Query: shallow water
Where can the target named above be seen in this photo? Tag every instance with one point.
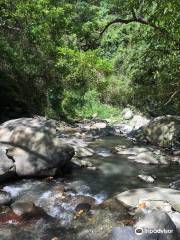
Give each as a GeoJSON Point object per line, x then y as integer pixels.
{"type": "Point", "coordinates": [115, 174]}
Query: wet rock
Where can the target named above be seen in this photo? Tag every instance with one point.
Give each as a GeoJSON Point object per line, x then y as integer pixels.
{"type": "Point", "coordinates": [27, 210]}
{"type": "Point", "coordinates": [20, 208]}
{"type": "Point", "coordinates": [102, 132]}
{"type": "Point", "coordinates": [157, 220]}
{"type": "Point", "coordinates": [78, 187]}
{"type": "Point", "coordinates": [80, 146]}
{"type": "Point", "coordinates": [84, 152]}
{"type": "Point", "coordinates": [5, 210]}
{"type": "Point", "coordinates": [148, 179]}
{"type": "Point", "coordinates": [114, 205]}
{"type": "Point", "coordinates": [81, 199]}
{"type": "Point", "coordinates": [92, 168]}
{"type": "Point", "coordinates": [132, 197]}
{"type": "Point", "coordinates": [99, 225]}
{"type": "Point", "coordinates": [175, 184]}
{"type": "Point", "coordinates": [82, 163]}
{"type": "Point", "coordinates": [83, 208]}
{"type": "Point", "coordinates": [98, 125]}
{"type": "Point", "coordinates": [144, 155]}
{"type": "Point", "coordinates": [5, 198]}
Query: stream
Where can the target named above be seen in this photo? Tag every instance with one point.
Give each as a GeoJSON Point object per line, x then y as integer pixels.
{"type": "Point", "coordinates": [114, 174]}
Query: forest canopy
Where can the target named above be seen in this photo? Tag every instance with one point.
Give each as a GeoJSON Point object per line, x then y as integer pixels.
{"type": "Point", "coordinates": [77, 58]}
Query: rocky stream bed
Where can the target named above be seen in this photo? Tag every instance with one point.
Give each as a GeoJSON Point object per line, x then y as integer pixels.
{"type": "Point", "coordinates": [111, 181]}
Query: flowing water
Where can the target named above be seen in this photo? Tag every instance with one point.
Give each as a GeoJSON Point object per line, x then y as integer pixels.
{"type": "Point", "coordinates": [115, 174]}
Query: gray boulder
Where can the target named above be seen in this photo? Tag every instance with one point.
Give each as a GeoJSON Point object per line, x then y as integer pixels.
{"type": "Point", "coordinates": [156, 225]}
{"type": "Point", "coordinates": [5, 198]}
{"type": "Point", "coordinates": [127, 113]}
{"type": "Point", "coordinates": [175, 184]}
{"type": "Point", "coordinates": [175, 216]}
{"type": "Point", "coordinates": [144, 155]}
{"type": "Point", "coordinates": [161, 131]}
{"type": "Point", "coordinates": [34, 147]}
{"type": "Point", "coordinates": [138, 121]}
{"type": "Point", "coordinates": [133, 197]}
{"type": "Point", "coordinates": [20, 208]}
{"type": "Point", "coordinates": [7, 128]}
{"type": "Point", "coordinates": [84, 152]}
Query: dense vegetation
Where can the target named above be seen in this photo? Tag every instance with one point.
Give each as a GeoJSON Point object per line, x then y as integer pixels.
{"type": "Point", "coordinates": [79, 58]}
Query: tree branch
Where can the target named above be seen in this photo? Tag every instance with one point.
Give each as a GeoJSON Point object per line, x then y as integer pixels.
{"type": "Point", "coordinates": [133, 13]}
{"type": "Point", "coordinates": [134, 19]}
{"type": "Point", "coordinates": [118, 20]}
{"type": "Point", "coordinates": [140, 20]}
{"type": "Point", "coordinates": [172, 96]}
{"type": "Point", "coordinates": [2, 25]}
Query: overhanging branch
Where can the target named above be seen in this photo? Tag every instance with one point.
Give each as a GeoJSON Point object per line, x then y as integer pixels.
{"type": "Point", "coordinates": [141, 21]}
{"type": "Point", "coordinates": [131, 20]}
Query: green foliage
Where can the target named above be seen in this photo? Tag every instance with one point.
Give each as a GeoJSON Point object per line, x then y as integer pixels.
{"type": "Point", "coordinates": [145, 76]}
{"type": "Point", "coordinates": [53, 61]}
{"type": "Point", "coordinates": [93, 107]}
{"type": "Point", "coordinates": [146, 58]}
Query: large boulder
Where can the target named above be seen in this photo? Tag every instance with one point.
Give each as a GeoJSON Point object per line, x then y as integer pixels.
{"type": "Point", "coordinates": [161, 131]}
{"type": "Point", "coordinates": [34, 147]}
{"type": "Point", "coordinates": [133, 197]}
{"type": "Point", "coordinates": [156, 225]}
{"type": "Point", "coordinates": [7, 128]}
{"type": "Point", "coordinates": [132, 122]}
